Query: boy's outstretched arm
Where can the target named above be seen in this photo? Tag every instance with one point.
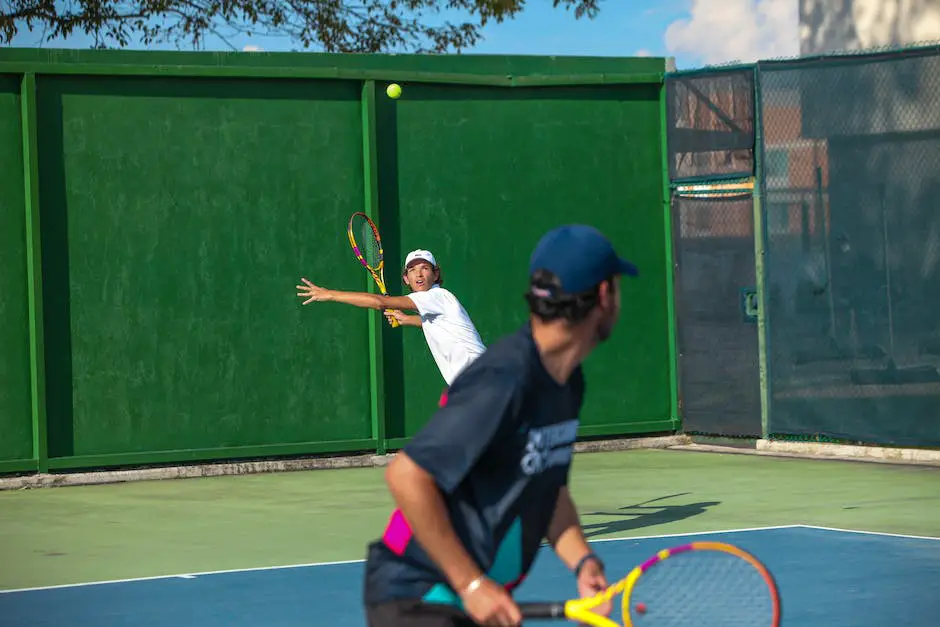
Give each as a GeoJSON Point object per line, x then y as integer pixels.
{"type": "Point", "coordinates": [315, 293]}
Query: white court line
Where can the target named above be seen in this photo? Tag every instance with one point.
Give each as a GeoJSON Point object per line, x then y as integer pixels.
{"type": "Point", "coordinates": [182, 576]}
{"type": "Point", "coordinates": [697, 533]}
{"type": "Point", "coordinates": [339, 563]}
{"type": "Point", "coordinates": [869, 533]}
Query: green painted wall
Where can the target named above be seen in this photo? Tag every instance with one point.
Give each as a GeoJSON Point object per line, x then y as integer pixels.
{"type": "Point", "coordinates": [178, 215]}
{"type": "Point", "coordinates": [15, 421]}
{"type": "Point", "coordinates": [481, 173]}
{"type": "Point", "coordinates": [179, 209]}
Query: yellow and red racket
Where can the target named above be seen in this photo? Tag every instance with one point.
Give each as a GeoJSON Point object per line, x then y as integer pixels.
{"type": "Point", "coordinates": [367, 245]}
{"type": "Point", "coordinates": [699, 583]}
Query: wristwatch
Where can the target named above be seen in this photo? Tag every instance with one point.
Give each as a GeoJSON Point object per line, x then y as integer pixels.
{"type": "Point", "coordinates": [583, 561]}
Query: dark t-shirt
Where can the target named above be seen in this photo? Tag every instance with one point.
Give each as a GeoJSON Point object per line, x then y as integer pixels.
{"type": "Point", "coordinates": [500, 450]}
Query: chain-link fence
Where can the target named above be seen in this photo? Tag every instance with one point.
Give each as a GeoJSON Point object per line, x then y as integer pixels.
{"type": "Point", "coordinates": [850, 186]}
{"type": "Point", "coordinates": [711, 124]}
{"type": "Point", "coordinates": [711, 140]}
{"type": "Point", "coordinates": [719, 380]}
{"type": "Point", "coordinates": [851, 181]}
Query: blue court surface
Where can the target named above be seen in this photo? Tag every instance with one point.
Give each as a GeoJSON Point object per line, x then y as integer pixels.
{"type": "Point", "coordinates": [825, 577]}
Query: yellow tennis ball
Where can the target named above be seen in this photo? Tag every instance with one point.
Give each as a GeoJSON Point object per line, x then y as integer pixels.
{"type": "Point", "coordinates": [393, 91]}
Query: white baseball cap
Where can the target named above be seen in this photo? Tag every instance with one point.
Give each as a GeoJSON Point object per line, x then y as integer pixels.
{"type": "Point", "coordinates": [420, 255]}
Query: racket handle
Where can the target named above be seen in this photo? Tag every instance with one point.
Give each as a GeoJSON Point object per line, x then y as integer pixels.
{"type": "Point", "coordinates": [394, 323]}
{"type": "Point", "coordinates": [542, 610]}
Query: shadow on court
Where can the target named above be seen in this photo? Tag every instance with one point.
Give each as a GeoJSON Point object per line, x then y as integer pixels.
{"type": "Point", "coordinates": [645, 514]}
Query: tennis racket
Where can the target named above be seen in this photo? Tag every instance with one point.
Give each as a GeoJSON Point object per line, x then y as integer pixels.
{"type": "Point", "coordinates": [367, 246]}
{"type": "Point", "coordinates": [700, 583]}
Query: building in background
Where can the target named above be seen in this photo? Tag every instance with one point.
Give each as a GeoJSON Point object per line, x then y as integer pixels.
{"type": "Point", "coordinates": [796, 161]}
{"type": "Point", "coordinates": [849, 102]}
{"type": "Point", "coordinates": [833, 25]}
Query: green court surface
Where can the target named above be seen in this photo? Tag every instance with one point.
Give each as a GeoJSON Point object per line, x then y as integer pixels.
{"type": "Point", "coordinates": [94, 533]}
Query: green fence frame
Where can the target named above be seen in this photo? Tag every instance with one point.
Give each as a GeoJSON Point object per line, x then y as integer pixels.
{"type": "Point", "coordinates": [760, 254]}
{"type": "Point", "coordinates": [34, 268]}
{"type": "Point", "coordinates": [369, 71]}
{"type": "Point", "coordinates": [674, 409]}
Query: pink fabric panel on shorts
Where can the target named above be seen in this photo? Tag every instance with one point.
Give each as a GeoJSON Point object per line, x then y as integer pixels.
{"type": "Point", "coordinates": [397, 533]}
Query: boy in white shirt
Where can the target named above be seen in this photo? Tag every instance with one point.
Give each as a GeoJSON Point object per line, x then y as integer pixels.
{"type": "Point", "coordinates": [450, 334]}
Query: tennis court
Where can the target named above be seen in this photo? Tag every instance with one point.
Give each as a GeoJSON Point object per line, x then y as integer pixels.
{"type": "Point", "coordinates": [284, 549]}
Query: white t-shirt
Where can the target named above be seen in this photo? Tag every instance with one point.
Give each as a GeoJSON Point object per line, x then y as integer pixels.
{"type": "Point", "coordinates": [451, 336]}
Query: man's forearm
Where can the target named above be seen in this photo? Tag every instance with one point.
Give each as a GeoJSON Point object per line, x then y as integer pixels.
{"type": "Point", "coordinates": [422, 505]}
{"type": "Point", "coordinates": [412, 321]}
{"type": "Point", "coordinates": [565, 533]}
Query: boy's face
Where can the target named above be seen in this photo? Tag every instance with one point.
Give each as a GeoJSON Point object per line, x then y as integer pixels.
{"type": "Point", "coordinates": [420, 276]}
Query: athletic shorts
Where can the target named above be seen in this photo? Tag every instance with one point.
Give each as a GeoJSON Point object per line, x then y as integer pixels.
{"type": "Point", "coordinates": [415, 614]}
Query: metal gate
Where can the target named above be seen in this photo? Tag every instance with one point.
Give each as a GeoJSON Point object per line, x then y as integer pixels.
{"type": "Point", "coordinates": [716, 305]}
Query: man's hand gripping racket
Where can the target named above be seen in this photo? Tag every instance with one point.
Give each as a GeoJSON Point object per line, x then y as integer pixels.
{"type": "Point", "coordinates": [367, 246]}
{"type": "Point", "coordinates": [700, 583]}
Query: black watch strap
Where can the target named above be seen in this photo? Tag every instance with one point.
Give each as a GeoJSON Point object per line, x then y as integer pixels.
{"type": "Point", "coordinates": [584, 560]}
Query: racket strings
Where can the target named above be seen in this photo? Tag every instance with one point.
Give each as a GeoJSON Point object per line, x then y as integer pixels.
{"type": "Point", "coordinates": [368, 245]}
{"type": "Point", "coordinates": [702, 588]}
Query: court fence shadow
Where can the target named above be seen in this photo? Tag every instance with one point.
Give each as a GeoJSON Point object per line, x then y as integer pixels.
{"type": "Point", "coordinates": [646, 514]}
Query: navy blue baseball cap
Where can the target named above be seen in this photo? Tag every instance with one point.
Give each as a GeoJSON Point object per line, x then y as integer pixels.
{"type": "Point", "coordinates": [580, 256]}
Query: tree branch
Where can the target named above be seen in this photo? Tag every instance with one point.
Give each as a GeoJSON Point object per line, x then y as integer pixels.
{"type": "Point", "coordinates": [333, 25]}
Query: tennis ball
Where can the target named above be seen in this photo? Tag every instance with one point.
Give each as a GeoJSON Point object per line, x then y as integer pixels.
{"type": "Point", "coordinates": [393, 91]}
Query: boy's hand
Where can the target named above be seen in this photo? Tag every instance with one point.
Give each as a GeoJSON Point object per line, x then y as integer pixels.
{"type": "Point", "coordinates": [395, 314]}
{"type": "Point", "coordinates": [312, 292]}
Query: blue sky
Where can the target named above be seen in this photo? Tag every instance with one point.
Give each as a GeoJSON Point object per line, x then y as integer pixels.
{"type": "Point", "coordinates": [696, 32]}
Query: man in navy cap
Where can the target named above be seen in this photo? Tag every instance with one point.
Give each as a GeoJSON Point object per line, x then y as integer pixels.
{"type": "Point", "coordinates": [481, 485]}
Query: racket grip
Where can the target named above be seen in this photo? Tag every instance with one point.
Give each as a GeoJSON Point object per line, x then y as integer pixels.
{"type": "Point", "coordinates": [393, 323]}
{"type": "Point", "coordinates": [542, 610]}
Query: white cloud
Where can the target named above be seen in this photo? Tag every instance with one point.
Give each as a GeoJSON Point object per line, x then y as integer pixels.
{"type": "Point", "coordinates": [721, 31]}
{"type": "Point", "coordinates": [251, 48]}
{"type": "Point", "coordinates": [643, 53]}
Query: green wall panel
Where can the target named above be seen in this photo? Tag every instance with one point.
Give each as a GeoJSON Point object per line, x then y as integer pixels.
{"type": "Point", "coordinates": [16, 440]}
{"type": "Point", "coordinates": [478, 174]}
{"type": "Point", "coordinates": [178, 215]}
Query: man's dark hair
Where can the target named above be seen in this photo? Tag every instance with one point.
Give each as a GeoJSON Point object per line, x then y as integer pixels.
{"type": "Point", "coordinates": [548, 302]}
